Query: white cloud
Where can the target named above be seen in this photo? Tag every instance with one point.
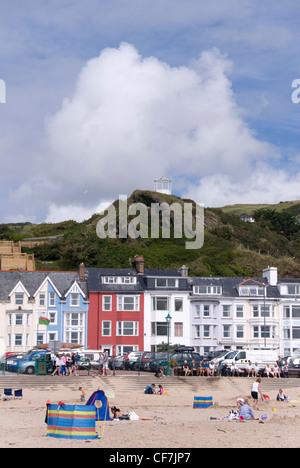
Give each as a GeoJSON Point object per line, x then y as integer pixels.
{"type": "Point", "coordinates": [132, 119]}
{"type": "Point", "coordinates": [262, 184]}
{"type": "Point", "coordinates": [57, 214]}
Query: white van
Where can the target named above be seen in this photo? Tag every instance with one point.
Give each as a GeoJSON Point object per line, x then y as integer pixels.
{"type": "Point", "coordinates": [242, 357]}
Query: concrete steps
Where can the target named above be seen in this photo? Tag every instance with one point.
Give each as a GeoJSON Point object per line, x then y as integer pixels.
{"type": "Point", "coordinates": [44, 383]}
{"type": "Point", "coordinates": [129, 383]}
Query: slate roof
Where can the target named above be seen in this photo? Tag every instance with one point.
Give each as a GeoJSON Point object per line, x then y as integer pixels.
{"type": "Point", "coordinates": [32, 280]}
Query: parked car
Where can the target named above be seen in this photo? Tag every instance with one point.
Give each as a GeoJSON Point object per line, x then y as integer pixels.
{"type": "Point", "coordinates": [149, 357]}
{"type": "Point", "coordinates": [294, 367]}
{"type": "Point", "coordinates": [84, 363]}
{"type": "Point", "coordinates": [27, 364]}
{"type": "Point", "coordinates": [117, 362]}
{"type": "Point", "coordinates": [133, 359]}
{"type": "Point", "coordinates": [180, 354]}
{"type": "Point", "coordinates": [11, 360]}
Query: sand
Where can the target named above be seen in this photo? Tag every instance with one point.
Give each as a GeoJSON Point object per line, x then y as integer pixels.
{"type": "Point", "coordinates": [176, 423]}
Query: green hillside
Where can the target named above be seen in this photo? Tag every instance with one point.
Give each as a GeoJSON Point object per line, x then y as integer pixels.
{"type": "Point", "coordinates": [231, 246]}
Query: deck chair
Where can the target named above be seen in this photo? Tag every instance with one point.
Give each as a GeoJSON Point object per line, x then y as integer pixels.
{"type": "Point", "coordinates": [18, 394]}
{"type": "Point", "coordinates": [7, 393]}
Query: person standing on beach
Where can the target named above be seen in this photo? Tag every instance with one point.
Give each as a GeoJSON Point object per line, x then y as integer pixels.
{"type": "Point", "coordinates": [255, 391]}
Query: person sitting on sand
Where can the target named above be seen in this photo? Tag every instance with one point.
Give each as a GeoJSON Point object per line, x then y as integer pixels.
{"type": "Point", "coordinates": [281, 396]}
{"type": "Point", "coordinates": [246, 412]}
{"type": "Point", "coordinates": [126, 417]}
{"type": "Point", "coordinates": [150, 389]}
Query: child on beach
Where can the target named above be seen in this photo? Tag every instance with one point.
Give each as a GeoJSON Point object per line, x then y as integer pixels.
{"type": "Point", "coordinates": [281, 396]}
{"type": "Point", "coordinates": [160, 390]}
{"type": "Point", "coordinates": [82, 394]}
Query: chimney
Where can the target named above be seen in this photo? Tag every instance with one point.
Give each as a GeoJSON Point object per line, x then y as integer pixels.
{"type": "Point", "coordinates": [81, 272]}
{"type": "Point", "coordinates": [271, 275]}
{"type": "Point", "coordinates": [139, 264]}
{"type": "Point", "coordinates": [184, 271]}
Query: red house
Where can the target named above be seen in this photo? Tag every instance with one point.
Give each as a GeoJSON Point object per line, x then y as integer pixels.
{"type": "Point", "coordinates": [116, 310]}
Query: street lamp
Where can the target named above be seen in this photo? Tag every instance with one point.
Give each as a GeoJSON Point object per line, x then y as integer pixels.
{"type": "Point", "coordinates": [168, 320]}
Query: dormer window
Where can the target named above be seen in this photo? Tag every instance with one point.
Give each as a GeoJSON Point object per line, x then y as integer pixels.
{"type": "Point", "coordinates": [251, 291]}
{"type": "Point", "coordinates": [166, 283]}
{"type": "Point", "coordinates": [119, 279]}
{"type": "Point", "coordinates": [293, 289]}
{"type": "Point", "coordinates": [208, 290]}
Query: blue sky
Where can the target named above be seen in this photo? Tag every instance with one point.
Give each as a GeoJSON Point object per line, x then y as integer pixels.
{"type": "Point", "coordinates": [103, 96]}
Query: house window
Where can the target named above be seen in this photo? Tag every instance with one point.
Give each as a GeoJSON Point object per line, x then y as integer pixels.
{"type": "Point", "coordinates": [19, 319]}
{"type": "Point", "coordinates": [212, 290]}
{"type": "Point", "coordinates": [296, 333]}
{"type": "Point", "coordinates": [106, 328]}
{"type": "Point", "coordinates": [240, 331]}
{"type": "Point", "coordinates": [128, 303]}
{"type": "Point", "coordinates": [18, 340]}
{"type": "Point", "coordinates": [296, 311]}
{"type": "Point", "coordinates": [74, 336]}
{"type": "Point", "coordinates": [293, 289]}
{"type": "Point", "coordinates": [197, 331]}
{"type": "Point", "coordinates": [178, 304]}
{"type": "Point", "coordinates": [262, 332]}
{"type": "Point", "coordinates": [239, 311]}
{"type": "Point", "coordinates": [127, 328]}
{"type": "Point", "coordinates": [252, 291]}
{"type": "Point", "coordinates": [206, 311]}
{"type": "Point", "coordinates": [19, 298]}
{"type": "Point", "coordinates": [110, 279]}
{"type": "Point", "coordinates": [226, 331]}
{"type": "Point", "coordinates": [42, 298]}
{"type": "Point", "coordinates": [52, 299]}
{"type": "Point", "coordinates": [159, 329]}
{"type": "Point", "coordinates": [160, 303]}
{"type": "Point", "coordinates": [74, 299]}
{"type": "Point", "coordinates": [107, 303]}
{"type": "Point", "coordinates": [165, 283]}
{"type": "Point", "coordinates": [206, 331]}
{"type": "Point", "coordinates": [226, 311]}
{"type": "Point", "coordinates": [197, 311]}
{"type": "Point", "coordinates": [74, 319]}
{"type": "Point", "coordinates": [178, 329]}
{"type": "Point", "coordinates": [52, 317]}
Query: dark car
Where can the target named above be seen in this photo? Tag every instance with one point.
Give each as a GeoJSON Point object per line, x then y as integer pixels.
{"type": "Point", "coordinates": [294, 367]}
{"type": "Point", "coordinates": [149, 357]}
{"type": "Point", "coordinates": [117, 362]}
{"type": "Point", "coordinates": [180, 354]}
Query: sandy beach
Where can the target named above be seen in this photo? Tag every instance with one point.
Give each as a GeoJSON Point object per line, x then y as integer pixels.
{"type": "Point", "coordinates": [176, 424]}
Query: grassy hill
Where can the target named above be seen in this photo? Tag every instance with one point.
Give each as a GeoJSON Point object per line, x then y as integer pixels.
{"type": "Point", "coordinates": [231, 246]}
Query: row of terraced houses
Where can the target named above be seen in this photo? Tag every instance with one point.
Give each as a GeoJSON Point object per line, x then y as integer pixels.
{"type": "Point", "coordinates": [121, 310]}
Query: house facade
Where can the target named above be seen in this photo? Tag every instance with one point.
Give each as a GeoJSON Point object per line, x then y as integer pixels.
{"type": "Point", "coordinates": [27, 296]}
{"type": "Point", "coordinates": [116, 310]}
{"type": "Point", "coordinates": [122, 310]}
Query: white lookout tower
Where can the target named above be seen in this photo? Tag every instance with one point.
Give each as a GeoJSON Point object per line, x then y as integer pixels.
{"type": "Point", "coordinates": [163, 185]}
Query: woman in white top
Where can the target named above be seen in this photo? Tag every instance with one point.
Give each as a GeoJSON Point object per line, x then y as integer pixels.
{"type": "Point", "coordinates": [276, 371]}
{"type": "Point", "coordinates": [255, 390]}
{"type": "Point", "coordinates": [268, 371]}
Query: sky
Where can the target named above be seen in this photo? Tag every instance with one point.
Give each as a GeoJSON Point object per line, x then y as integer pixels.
{"type": "Point", "coordinates": [104, 96]}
